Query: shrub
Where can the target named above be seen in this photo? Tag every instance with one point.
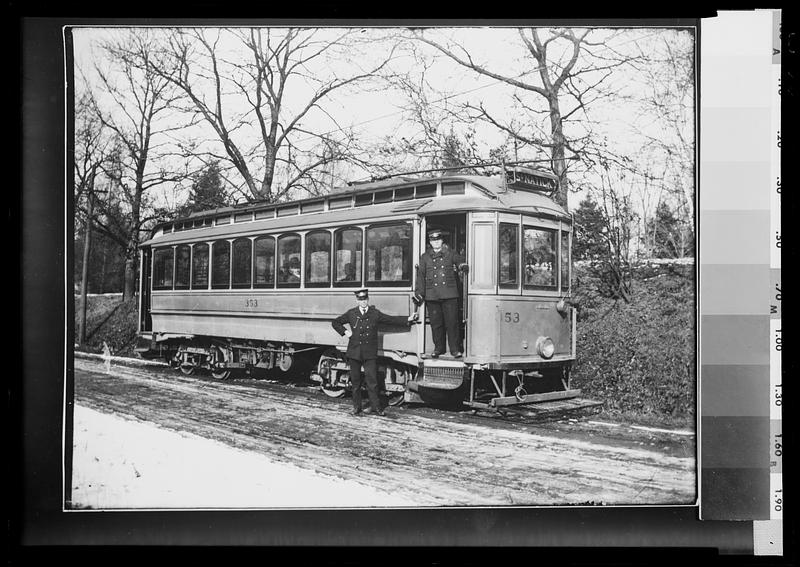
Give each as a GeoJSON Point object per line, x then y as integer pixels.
{"type": "Point", "coordinates": [109, 319]}
{"type": "Point", "coordinates": [639, 357]}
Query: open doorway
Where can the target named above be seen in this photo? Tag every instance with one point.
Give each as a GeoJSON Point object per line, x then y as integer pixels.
{"type": "Point", "coordinates": [454, 235]}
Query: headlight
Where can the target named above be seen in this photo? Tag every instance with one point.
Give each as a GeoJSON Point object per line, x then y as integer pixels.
{"type": "Point", "coordinates": [545, 347]}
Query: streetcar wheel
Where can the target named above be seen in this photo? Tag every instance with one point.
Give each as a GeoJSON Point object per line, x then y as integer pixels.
{"type": "Point", "coordinates": [187, 368]}
{"type": "Point", "coordinates": [395, 399]}
{"type": "Point", "coordinates": [333, 391]}
{"type": "Point", "coordinates": [221, 374]}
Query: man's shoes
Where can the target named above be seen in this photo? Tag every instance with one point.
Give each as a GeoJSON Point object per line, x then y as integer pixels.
{"type": "Point", "coordinates": [370, 411]}
{"type": "Point", "coordinates": [356, 412]}
{"type": "Point", "coordinates": [457, 355]}
{"type": "Point", "coordinates": [435, 354]}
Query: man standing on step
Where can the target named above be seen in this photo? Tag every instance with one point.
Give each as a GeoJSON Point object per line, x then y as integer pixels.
{"type": "Point", "coordinates": [437, 286]}
{"type": "Point", "coordinates": [362, 348]}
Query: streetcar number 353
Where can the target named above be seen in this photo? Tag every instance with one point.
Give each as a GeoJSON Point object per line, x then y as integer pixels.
{"type": "Point", "coordinates": [251, 303]}
{"type": "Point", "coordinates": [511, 317]}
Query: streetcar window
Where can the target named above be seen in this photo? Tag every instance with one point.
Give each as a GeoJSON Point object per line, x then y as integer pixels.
{"type": "Point", "coordinates": [565, 260]}
{"type": "Point", "coordinates": [221, 264]}
{"type": "Point", "coordinates": [363, 199]}
{"type": "Point", "coordinates": [508, 255]}
{"type": "Point", "coordinates": [183, 265]}
{"type": "Point", "coordinates": [200, 266]}
{"type": "Point", "coordinates": [318, 259]}
{"type": "Point", "coordinates": [425, 191]}
{"type": "Point", "coordinates": [312, 207]}
{"type": "Point", "coordinates": [389, 255]}
{"type": "Point", "coordinates": [540, 258]}
{"type": "Point", "coordinates": [404, 194]}
{"type": "Point", "coordinates": [265, 214]}
{"type": "Point", "coordinates": [457, 188]}
{"type": "Point", "coordinates": [384, 196]}
{"type": "Point", "coordinates": [162, 268]}
{"type": "Point", "coordinates": [289, 260]}
{"type": "Point", "coordinates": [242, 266]}
{"type": "Point", "coordinates": [288, 211]}
{"type": "Point", "coordinates": [265, 262]}
{"type": "Point", "coordinates": [340, 202]}
{"type": "Point", "coordinates": [347, 266]}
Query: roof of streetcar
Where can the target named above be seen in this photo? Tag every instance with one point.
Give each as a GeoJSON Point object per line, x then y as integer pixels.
{"type": "Point", "coordinates": [493, 195]}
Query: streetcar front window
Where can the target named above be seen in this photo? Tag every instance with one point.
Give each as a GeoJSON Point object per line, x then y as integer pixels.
{"type": "Point", "coordinates": [508, 255]}
{"type": "Point", "coordinates": [540, 258]}
{"type": "Point", "coordinates": [565, 261]}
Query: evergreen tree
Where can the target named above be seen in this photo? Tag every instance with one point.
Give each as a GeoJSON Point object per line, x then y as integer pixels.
{"type": "Point", "coordinates": [670, 236]}
{"type": "Point", "coordinates": [208, 191]}
{"type": "Point", "coordinates": [590, 225]}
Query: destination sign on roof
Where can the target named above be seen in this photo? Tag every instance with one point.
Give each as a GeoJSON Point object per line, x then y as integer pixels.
{"type": "Point", "coordinates": [530, 179]}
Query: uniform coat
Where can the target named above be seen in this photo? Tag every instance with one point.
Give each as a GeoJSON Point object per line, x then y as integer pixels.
{"type": "Point", "coordinates": [436, 276]}
{"type": "Point", "coordinates": [437, 285]}
{"type": "Point", "coordinates": [362, 349]}
{"type": "Point", "coordinates": [363, 344]}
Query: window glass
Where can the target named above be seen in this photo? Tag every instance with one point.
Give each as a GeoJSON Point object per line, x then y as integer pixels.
{"type": "Point", "coordinates": [318, 259]}
{"type": "Point", "coordinates": [200, 266]}
{"type": "Point", "coordinates": [565, 260]}
{"type": "Point", "coordinates": [363, 199]}
{"type": "Point", "coordinates": [389, 255]}
{"type": "Point", "coordinates": [242, 267]}
{"type": "Point", "coordinates": [265, 261]}
{"type": "Point", "coordinates": [162, 268]}
{"type": "Point", "coordinates": [221, 264]}
{"type": "Point", "coordinates": [426, 191]}
{"type": "Point", "coordinates": [183, 265]}
{"type": "Point", "coordinates": [453, 188]}
{"type": "Point", "coordinates": [508, 255]}
{"type": "Point", "coordinates": [348, 257]}
{"type": "Point", "coordinates": [540, 258]}
{"type": "Point", "coordinates": [289, 260]}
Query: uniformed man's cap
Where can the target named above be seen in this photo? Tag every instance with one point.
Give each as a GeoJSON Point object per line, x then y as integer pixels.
{"type": "Point", "coordinates": [362, 294]}
{"type": "Point", "coordinates": [435, 235]}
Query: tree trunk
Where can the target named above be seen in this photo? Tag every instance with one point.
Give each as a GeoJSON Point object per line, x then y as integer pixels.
{"type": "Point", "coordinates": [558, 153]}
{"type": "Point", "coordinates": [87, 245]}
{"type": "Point", "coordinates": [130, 279]}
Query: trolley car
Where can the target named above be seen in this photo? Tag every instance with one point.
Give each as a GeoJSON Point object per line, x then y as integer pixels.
{"type": "Point", "coordinates": [257, 286]}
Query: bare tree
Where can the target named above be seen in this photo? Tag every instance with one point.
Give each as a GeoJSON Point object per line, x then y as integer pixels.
{"type": "Point", "coordinates": [90, 151]}
{"type": "Point", "coordinates": [257, 89]}
{"type": "Point", "coordinates": [567, 71]}
{"type": "Point", "coordinates": [668, 102]}
{"type": "Point", "coordinates": [133, 103]}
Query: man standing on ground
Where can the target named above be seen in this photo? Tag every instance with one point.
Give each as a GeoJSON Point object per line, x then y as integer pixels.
{"type": "Point", "coordinates": [362, 348]}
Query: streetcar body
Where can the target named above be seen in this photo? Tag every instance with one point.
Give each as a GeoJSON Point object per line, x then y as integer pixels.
{"type": "Point", "coordinates": [257, 286]}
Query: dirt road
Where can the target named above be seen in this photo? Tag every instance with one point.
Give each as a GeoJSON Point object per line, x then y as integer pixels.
{"type": "Point", "coordinates": [433, 457]}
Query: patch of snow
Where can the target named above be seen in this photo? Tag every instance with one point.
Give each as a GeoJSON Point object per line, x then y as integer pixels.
{"type": "Point", "coordinates": [122, 464]}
